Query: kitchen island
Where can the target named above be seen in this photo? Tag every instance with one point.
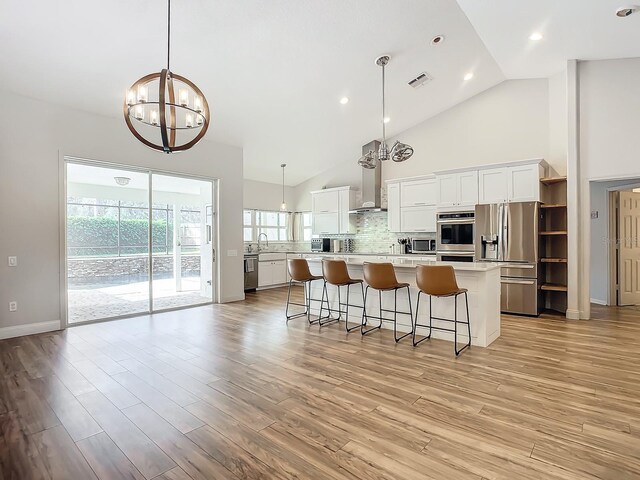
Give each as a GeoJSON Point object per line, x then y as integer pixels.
{"type": "Point", "coordinates": [482, 280]}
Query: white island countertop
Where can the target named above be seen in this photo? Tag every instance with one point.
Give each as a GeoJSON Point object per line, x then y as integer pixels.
{"type": "Point", "coordinates": [481, 279]}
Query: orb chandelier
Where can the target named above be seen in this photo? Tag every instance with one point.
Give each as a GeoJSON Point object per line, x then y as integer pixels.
{"type": "Point", "coordinates": [161, 119]}
{"type": "Point", "coordinates": [399, 151]}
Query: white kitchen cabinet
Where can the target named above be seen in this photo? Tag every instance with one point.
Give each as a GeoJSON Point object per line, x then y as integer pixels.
{"type": "Point", "coordinates": [330, 211]}
{"type": "Point", "coordinates": [325, 201]}
{"type": "Point", "coordinates": [446, 188]}
{"type": "Point", "coordinates": [523, 183]}
{"type": "Point", "coordinates": [520, 183]}
{"type": "Point", "coordinates": [467, 188]}
{"type": "Point", "coordinates": [457, 189]}
{"type": "Point", "coordinates": [418, 219]}
{"type": "Point", "coordinates": [325, 223]}
{"type": "Point", "coordinates": [393, 207]}
{"type": "Point", "coordinates": [411, 205]}
{"type": "Point", "coordinates": [272, 272]}
{"type": "Point", "coordinates": [416, 193]}
{"type": "Point", "coordinates": [492, 184]}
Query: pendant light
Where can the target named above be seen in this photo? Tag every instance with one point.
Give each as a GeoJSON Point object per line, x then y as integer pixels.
{"type": "Point", "coordinates": [283, 206]}
{"type": "Point", "coordinates": [161, 119]}
{"type": "Point", "coordinates": [400, 151]}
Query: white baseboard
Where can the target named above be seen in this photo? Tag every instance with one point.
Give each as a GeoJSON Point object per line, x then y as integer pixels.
{"type": "Point", "coordinates": [29, 329]}
{"type": "Point", "coordinates": [598, 302]}
{"type": "Point", "coordinates": [573, 314]}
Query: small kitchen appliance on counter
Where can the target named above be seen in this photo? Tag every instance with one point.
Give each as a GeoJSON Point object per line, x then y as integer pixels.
{"type": "Point", "coordinates": [320, 244]}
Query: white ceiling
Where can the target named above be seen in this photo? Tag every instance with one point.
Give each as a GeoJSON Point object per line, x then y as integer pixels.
{"type": "Point", "coordinates": [571, 29]}
{"type": "Point", "coordinates": [274, 71]}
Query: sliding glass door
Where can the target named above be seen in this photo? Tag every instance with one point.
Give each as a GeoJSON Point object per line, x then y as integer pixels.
{"type": "Point", "coordinates": [182, 232]}
{"type": "Point", "coordinates": [119, 263]}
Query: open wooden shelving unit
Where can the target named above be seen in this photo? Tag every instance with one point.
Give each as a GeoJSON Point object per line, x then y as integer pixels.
{"type": "Point", "coordinates": [553, 243]}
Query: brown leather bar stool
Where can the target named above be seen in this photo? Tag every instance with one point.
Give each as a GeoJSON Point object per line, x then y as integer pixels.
{"type": "Point", "coordinates": [382, 277]}
{"type": "Point", "coordinates": [300, 273]}
{"type": "Point", "coordinates": [335, 273]}
{"type": "Point", "coordinates": [440, 281]}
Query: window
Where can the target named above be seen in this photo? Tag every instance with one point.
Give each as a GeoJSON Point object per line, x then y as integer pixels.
{"type": "Point", "coordinates": [306, 226]}
{"type": "Point", "coordinates": [272, 224]}
{"type": "Point", "coordinates": [247, 221]}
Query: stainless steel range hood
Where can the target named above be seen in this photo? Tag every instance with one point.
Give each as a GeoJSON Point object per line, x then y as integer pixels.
{"type": "Point", "coordinates": [371, 183]}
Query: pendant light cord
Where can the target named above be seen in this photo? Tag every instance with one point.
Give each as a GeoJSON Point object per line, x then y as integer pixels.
{"type": "Point", "coordinates": [168, 32]}
{"type": "Point", "coordinates": [384, 131]}
{"type": "Point", "coordinates": [283, 184]}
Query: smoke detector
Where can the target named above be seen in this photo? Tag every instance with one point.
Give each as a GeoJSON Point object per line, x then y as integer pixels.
{"type": "Point", "coordinates": [626, 11]}
{"type": "Point", "coordinates": [421, 80]}
{"type": "Point", "coordinates": [437, 40]}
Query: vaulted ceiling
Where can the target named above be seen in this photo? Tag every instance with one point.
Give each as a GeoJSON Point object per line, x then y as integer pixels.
{"type": "Point", "coordinates": [274, 71]}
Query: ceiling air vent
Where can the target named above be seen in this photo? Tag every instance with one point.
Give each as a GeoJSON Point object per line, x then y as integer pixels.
{"type": "Point", "coordinates": [420, 80]}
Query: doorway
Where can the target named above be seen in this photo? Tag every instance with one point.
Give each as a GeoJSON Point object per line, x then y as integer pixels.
{"type": "Point", "coordinates": [615, 242]}
{"type": "Point", "coordinates": [137, 241]}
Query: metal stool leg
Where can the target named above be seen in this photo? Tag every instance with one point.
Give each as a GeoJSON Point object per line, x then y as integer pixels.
{"type": "Point", "coordinates": [305, 304]}
{"type": "Point", "coordinates": [455, 345]}
{"type": "Point", "coordinates": [328, 317]}
{"type": "Point", "coordinates": [365, 316]}
{"type": "Point", "coordinates": [416, 325]}
{"type": "Point", "coordinates": [395, 315]}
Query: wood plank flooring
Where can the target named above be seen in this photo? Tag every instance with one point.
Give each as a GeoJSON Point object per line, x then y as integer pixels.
{"type": "Point", "coordinates": [233, 392]}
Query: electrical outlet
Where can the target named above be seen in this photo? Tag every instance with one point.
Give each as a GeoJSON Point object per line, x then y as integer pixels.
{"type": "Point", "coordinates": [12, 261]}
{"type": "Point", "coordinates": [13, 306]}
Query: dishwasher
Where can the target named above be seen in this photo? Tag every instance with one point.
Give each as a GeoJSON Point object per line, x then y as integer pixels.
{"type": "Point", "coordinates": [250, 272]}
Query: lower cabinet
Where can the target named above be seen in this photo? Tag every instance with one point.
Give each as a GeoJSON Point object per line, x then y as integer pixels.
{"type": "Point", "coordinates": [272, 272]}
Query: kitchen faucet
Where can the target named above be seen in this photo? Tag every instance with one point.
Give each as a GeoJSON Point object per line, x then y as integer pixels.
{"type": "Point", "coordinates": [265, 237]}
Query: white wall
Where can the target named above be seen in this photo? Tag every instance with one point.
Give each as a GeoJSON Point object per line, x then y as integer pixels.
{"type": "Point", "coordinates": [507, 122]}
{"type": "Point", "coordinates": [609, 145]}
{"type": "Point", "coordinates": [267, 196]}
{"type": "Point", "coordinates": [33, 136]}
{"type": "Point", "coordinates": [558, 123]}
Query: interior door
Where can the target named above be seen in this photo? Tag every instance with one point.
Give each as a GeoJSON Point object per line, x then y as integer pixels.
{"type": "Point", "coordinates": [629, 250]}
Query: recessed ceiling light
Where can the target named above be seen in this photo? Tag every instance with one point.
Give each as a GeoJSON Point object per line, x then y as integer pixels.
{"type": "Point", "coordinates": [387, 119]}
{"type": "Point", "coordinates": [437, 40]}
{"type": "Point", "coordinates": [535, 36]}
{"type": "Point", "coordinates": [344, 100]}
{"type": "Point", "coordinates": [468, 76]}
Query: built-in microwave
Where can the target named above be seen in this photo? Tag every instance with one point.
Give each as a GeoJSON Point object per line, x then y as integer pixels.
{"type": "Point", "coordinates": [423, 245]}
{"type": "Point", "coordinates": [455, 232]}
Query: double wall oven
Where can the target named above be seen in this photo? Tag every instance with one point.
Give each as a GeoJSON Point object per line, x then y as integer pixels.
{"type": "Point", "coordinates": [455, 236]}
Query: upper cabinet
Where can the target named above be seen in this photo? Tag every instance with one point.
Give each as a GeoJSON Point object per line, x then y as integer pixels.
{"type": "Point", "coordinates": [411, 205]}
{"type": "Point", "coordinates": [393, 207]}
{"type": "Point", "coordinates": [417, 193]}
{"type": "Point", "coordinates": [330, 211]}
{"type": "Point", "coordinates": [519, 183]}
{"type": "Point", "coordinates": [325, 201]}
{"type": "Point", "coordinates": [510, 182]}
{"type": "Point", "coordinates": [459, 189]}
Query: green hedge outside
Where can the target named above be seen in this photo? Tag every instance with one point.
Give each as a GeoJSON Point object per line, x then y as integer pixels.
{"type": "Point", "coordinates": [100, 234]}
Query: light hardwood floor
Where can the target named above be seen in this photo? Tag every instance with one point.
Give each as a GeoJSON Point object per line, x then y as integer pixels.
{"type": "Point", "coordinates": [232, 391]}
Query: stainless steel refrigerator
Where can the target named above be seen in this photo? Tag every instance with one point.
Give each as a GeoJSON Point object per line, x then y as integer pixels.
{"type": "Point", "coordinates": [508, 233]}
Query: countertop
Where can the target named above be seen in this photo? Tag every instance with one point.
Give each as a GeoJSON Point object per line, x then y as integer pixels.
{"type": "Point", "coordinates": [409, 263]}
